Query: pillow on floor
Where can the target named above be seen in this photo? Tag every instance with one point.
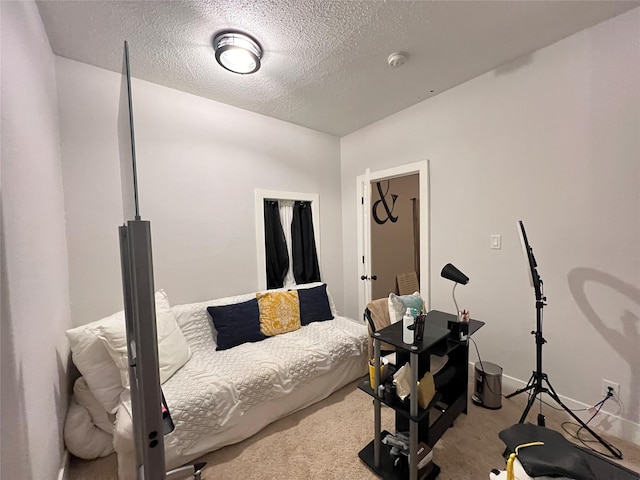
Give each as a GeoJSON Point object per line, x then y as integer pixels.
{"type": "Point", "coordinates": [279, 312]}
{"type": "Point", "coordinates": [95, 364]}
{"type": "Point", "coordinates": [236, 324]}
{"type": "Point", "coordinates": [173, 350]}
{"type": "Point", "coordinates": [99, 416]}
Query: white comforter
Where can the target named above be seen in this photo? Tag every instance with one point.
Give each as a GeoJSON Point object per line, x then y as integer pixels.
{"type": "Point", "coordinates": [217, 387]}
{"type": "Point", "coordinates": [217, 397]}
{"type": "Point", "coordinates": [246, 387]}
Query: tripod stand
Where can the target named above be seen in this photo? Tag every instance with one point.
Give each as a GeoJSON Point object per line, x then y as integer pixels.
{"type": "Point", "coordinates": [535, 385]}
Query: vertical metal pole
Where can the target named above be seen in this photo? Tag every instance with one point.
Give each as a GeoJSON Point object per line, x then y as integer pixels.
{"type": "Point", "coordinates": [413, 425]}
{"type": "Point", "coordinates": [127, 291]}
{"type": "Point", "coordinates": [377, 441]}
{"type": "Point", "coordinates": [142, 348]}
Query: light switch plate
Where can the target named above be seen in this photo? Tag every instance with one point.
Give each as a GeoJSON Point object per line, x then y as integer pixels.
{"type": "Point", "coordinates": [495, 242]}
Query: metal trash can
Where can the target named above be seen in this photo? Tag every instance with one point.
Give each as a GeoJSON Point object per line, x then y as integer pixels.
{"type": "Point", "coordinates": [488, 385]}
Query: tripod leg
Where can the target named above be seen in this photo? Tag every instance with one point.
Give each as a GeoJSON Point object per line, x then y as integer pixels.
{"type": "Point", "coordinates": [532, 399]}
{"type": "Point", "coordinates": [530, 384]}
{"type": "Point", "coordinates": [552, 393]}
{"type": "Point", "coordinates": [522, 390]}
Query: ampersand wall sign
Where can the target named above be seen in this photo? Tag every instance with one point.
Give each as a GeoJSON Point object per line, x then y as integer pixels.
{"type": "Point", "coordinates": [385, 205]}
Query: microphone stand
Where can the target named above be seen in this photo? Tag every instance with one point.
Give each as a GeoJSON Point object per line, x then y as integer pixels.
{"type": "Point", "coordinates": [535, 384]}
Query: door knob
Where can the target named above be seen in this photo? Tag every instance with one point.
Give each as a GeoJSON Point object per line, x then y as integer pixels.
{"type": "Point", "coordinates": [363, 277]}
{"type": "Point", "coordinates": [374, 277]}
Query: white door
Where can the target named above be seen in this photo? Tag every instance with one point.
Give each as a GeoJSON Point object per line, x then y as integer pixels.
{"type": "Point", "coordinates": [364, 185]}
{"type": "Point", "coordinates": [364, 239]}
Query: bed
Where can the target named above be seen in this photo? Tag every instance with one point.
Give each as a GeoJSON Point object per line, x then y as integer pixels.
{"type": "Point", "coordinates": [220, 397]}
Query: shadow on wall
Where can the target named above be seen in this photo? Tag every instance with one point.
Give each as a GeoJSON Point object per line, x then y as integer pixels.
{"type": "Point", "coordinates": [514, 65]}
{"type": "Point", "coordinates": [14, 454]}
{"type": "Point", "coordinates": [624, 336]}
{"type": "Point", "coordinates": [62, 391]}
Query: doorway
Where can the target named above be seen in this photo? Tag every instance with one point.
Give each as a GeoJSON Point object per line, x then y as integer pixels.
{"type": "Point", "coordinates": [393, 230]}
{"type": "Point", "coordinates": [395, 233]}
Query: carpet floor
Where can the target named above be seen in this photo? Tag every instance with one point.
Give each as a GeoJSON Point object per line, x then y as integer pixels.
{"type": "Point", "coordinates": [323, 441]}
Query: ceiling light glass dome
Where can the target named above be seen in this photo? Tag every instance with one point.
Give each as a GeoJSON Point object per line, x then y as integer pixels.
{"type": "Point", "coordinates": [237, 52]}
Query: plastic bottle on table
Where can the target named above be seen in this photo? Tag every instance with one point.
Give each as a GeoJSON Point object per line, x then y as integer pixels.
{"type": "Point", "coordinates": [407, 321]}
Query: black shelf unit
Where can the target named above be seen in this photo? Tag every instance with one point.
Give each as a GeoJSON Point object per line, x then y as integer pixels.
{"type": "Point", "coordinates": [429, 424]}
{"type": "Point", "coordinates": [402, 408]}
{"type": "Point", "coordinates": [386, 468]}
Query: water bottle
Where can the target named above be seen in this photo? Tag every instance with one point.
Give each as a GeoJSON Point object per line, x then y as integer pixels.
{"type": "Point", "coordinates": [407, 321]}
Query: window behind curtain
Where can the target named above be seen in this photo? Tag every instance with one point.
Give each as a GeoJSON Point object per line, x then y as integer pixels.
{"type": "Point", "coordinates": [300, 231]}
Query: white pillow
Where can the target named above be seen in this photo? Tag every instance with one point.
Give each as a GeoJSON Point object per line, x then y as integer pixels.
{"type": "Point", "coordinates": [99, 417]}
{"type": "Point", "coordinates": [82, 437]}
{"type": "Point", "coordinates": [95, 364]}
{"type": "Point", "coordinates": [173, 351]}
{"type": "Point", "coordinates": [398, 305]}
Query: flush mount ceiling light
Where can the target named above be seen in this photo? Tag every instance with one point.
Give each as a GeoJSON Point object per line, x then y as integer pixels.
{"type": "Point", "coordinates": [237, 52]}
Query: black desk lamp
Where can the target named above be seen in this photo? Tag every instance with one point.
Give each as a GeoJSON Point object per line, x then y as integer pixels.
{"type": "Point", "coordinates": [452, 273]}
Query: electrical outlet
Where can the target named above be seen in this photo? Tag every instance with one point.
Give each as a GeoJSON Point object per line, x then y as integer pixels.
{"type": "Point", "coordinates": [608, 383]}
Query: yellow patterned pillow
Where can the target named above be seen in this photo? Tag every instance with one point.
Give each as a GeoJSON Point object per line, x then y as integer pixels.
{"type": "Point", "coordinates": [279, 312]}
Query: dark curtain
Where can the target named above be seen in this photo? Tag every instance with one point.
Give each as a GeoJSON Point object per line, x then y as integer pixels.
{"type": "Point", "coordinates": [277, 258]}
{"type": "Point", "coordinates": [303, 245]}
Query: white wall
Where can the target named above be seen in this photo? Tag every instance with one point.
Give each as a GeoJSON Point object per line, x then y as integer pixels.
{"type": "Point", "coordinates": [35, 297]}
{"type": "Point", "coordinates": [553, 139]}
{"type": "Point", "coordinates": [199, 162]}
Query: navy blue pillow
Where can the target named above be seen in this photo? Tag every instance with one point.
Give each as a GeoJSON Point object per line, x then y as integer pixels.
{"type": "Point", "coordinates": [314, 305]}
{"type": "Point", "coordinates": [236, 324]}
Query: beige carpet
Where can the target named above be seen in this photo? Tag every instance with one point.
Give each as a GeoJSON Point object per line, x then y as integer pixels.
{"type": "Point", "coordinates": [323, 441]}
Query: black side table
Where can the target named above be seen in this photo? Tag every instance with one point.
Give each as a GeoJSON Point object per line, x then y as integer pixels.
{"type": "Point", "coordinates": [438, 339]}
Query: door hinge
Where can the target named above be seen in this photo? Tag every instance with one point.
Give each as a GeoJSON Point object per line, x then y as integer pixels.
{"type": "Point", "coordinates": [362, 200]}
{"type": "Point", "coordinates": [363, 259]}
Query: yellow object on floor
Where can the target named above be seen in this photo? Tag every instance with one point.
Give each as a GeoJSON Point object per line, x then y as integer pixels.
{"type": "Point", "coordinates": [513, 456]}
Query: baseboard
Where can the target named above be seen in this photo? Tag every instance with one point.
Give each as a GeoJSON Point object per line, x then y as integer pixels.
{"type": "Point", "coordinates": [606, 422]}
{"type": "Point", "coordinates": [63, 474]}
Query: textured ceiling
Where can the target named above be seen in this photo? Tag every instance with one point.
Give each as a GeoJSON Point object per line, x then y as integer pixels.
{"type": "Point", "coordinates": [325, 62]}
